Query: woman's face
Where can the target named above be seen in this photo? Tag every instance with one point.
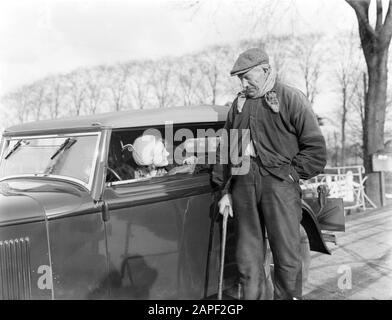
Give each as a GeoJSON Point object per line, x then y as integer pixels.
{"type": "Point", "coordinates": [160, 155]}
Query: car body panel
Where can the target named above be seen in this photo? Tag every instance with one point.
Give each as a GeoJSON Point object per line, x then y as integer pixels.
{"type": "Point", "coordinates": [16, 207]}
{"type": "Point", "coordinates": [124, 119]}
{"type": "Point", "coordinates": [159, 239]}
{"type": "Point", "coordinates": [313, 231]}
{"type": "Point", "coordinates": [79, 256]}
{"type": "Point", "coordinates": [331, 216]}
{"type": "Point", "coordinates": [68, 220]}
{"type": "Point", "coordinates": [25, 262]}
{"type": "Point", "coordinates": [53, 198]}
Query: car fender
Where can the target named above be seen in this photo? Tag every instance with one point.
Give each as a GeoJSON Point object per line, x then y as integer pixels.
{"type": "Point", "coordinates": [313, 231]}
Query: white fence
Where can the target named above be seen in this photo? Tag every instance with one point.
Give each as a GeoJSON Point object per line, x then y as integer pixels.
{"type": "Point", "coordinates": [343, 182]}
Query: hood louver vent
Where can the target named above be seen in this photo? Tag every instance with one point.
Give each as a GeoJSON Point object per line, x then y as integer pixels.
{"type": "Point", "coordinates": [15, 275]}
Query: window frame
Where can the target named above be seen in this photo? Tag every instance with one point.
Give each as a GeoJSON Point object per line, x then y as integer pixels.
{"type": "Point", "coordinates": [88, 186]}
{"type": "Point", "coordinates": [165, 178]}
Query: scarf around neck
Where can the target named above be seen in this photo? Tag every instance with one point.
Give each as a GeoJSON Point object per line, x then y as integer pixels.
{"type": "Point", "coordinates": [266, 91]}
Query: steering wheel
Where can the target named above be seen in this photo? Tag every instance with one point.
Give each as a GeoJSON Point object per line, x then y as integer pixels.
{"type": "Point", "coordinates": [114, 173]}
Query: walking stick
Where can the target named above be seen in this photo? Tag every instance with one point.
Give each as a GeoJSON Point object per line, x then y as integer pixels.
{"type": "Point", "coordinates": [222, 259]}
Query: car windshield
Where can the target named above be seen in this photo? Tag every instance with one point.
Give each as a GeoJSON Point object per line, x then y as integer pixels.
{"type": "Point", "coordinates": [70, 156]}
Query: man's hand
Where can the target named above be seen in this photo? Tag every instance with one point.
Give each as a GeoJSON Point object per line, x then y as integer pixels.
{"type": "Point", "coordinates": [226, 205]}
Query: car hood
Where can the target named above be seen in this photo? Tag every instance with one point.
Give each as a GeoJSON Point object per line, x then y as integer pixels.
{"type": "Point", "coordinates": [33, 199]}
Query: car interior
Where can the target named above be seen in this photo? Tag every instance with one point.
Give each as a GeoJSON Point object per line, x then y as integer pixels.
{"type": "Point", "coordinates": [122, 166]}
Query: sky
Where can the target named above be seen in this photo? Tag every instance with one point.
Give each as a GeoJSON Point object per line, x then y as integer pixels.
{"type": "Point", "coordinates": [44, 37]}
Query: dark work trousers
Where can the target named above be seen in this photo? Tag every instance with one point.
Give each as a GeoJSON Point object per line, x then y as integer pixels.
{"type": "Point", "coordinates": [265, 202]}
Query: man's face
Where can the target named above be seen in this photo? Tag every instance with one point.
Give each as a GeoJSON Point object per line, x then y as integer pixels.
{"type": "Point", "coordinates": [252, 81]}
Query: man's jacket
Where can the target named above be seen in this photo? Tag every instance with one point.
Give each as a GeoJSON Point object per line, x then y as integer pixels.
{"type": "Point", "coordinates": [287, 142]}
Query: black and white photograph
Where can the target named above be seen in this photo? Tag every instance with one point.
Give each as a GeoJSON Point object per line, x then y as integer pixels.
{"type": "Point", "coordinates": [202, 150]}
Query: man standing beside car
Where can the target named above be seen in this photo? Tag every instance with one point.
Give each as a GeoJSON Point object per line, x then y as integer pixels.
{"type": "Point", "coordinates": [284, 145]}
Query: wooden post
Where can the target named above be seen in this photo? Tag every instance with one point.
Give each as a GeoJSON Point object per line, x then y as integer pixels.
{"type": "Point", "coordinates": [382, 188]}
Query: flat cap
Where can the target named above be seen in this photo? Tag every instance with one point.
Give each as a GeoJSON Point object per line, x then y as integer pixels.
{"type": "Point", "coordinates": [249, 59]}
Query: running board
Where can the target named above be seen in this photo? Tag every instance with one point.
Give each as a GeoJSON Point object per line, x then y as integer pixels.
{"type": "Point", "coordinates": [329, 237]}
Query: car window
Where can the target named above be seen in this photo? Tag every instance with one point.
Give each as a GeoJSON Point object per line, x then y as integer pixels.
{"type": "Point", "coordinates": [71, 156]}
{"type": "Point", "coordinates": [190, 151]}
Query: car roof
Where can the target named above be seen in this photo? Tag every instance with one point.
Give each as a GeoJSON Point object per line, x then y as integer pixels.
{"type": "Point", "coordinates": [124, 119]}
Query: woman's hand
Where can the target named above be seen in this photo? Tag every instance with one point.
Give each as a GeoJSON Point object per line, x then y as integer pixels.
{"type": "Point", "coordinates": [190, 160]}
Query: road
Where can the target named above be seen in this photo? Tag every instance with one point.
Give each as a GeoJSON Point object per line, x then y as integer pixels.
{"type": "Point", "coordinates": [360, 267]}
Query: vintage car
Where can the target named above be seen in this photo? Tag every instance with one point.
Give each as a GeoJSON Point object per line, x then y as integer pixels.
{"type": "Point", "coordinates": [76, 224]}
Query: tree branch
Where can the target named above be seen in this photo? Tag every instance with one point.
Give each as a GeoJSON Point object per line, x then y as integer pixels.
{"type": "Point", "coordinates": [386, 32]}
{"type": "Point", "coordinates": [379, 16]}
{"type": "Point", "coordinates": [361, 8]}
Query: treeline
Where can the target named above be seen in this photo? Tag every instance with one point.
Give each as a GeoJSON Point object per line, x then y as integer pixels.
{"type": "Point", "coordinates": [314, 63]}
{"type": "Point", "coordinates": [200, 78]}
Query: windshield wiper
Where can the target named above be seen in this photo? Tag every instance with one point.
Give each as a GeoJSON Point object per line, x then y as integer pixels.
{"type": "Point", "coordinates": [69, 142]}
{"type": "Point", "coordinates": [16, 147]}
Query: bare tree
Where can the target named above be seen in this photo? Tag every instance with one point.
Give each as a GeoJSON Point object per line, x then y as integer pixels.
{"type": "Point", "coordinates": [388, 116]}
{"type": "Point", "coordinates": [76, 90]}
{"type": "Point", "coordinates": [55, 94]}
{"type": "Point", "coordinates": [161, 82]}
{"type": "Point", "coordinates": [38, 98]}
{"type": "Point", "coordinates": [118, 82]}
{"type": "Point", "coordinates": [214, 64]}
{"type": "Point", "coordinates": [190, 80]}
{"type": "Point", "coordinates": [139, 87]}
{"type": "Point", "coordinates": [375, 41]}
{"type": "Point", "coordinates": [308, 55]}
{"type": "Point", "coordinates": [348, 80]}
{"type": "Point", "coordinates": [260, 17]}
{"type": "Point", "coordinates": [19, 101]}
{"type": "Point", "coordinates": [94, 87]}
{"type": "Point", "coordinates": [357, 103]}
{"type": "Point", "coordinates": [278, 49]}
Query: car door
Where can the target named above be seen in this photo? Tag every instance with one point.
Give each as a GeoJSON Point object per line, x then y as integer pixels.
{"type": "Point", "coordinates": [161, 238]}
